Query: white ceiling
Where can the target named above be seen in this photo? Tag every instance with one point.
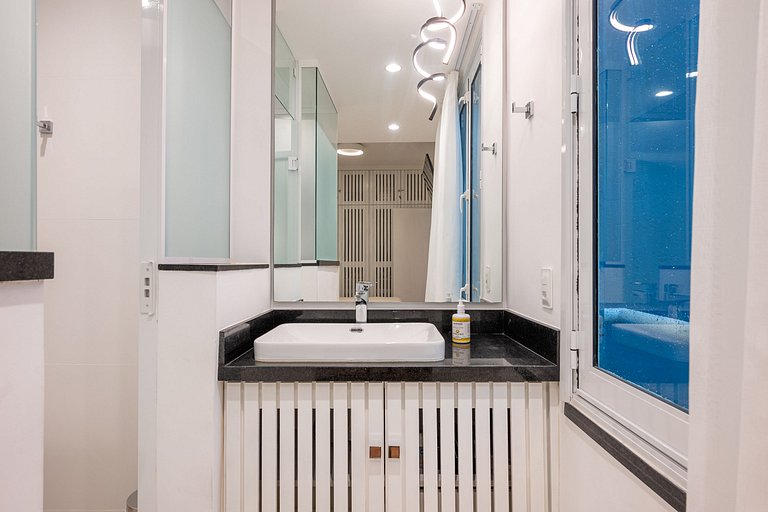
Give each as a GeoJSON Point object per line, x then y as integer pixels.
{"type": "Point", "coordinates": [351, 42]}
{"type": "Point", "coordinates": [398, 155]}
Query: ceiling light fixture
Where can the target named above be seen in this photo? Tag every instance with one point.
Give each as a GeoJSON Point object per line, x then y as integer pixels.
{"type": "Point", "coordinates": [393, 67]}
{"type": "Point", "coordinates": [350, 150]}
{"type": "Point", "coordinates": [632, 31]}
{"type": "Point", "coordinates": [418, 48]}
{"type": "Point", "coordinates": [456, 17]}
{"type": "Point", "coordinates": [662, 94]}
{"type": "Point", "coordinates": [394, 127]}
{"type": "Point", "coordinates": [437, 77]}
{"type": "Point", "coordinates": [435, 24]}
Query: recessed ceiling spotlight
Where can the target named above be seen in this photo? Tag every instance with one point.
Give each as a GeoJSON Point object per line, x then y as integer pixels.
{"type": "Point", "coordinates": [661, 94]}
{"type": "Point", "coordinates": [394, 127]}
{"type": "Point", "coordinates": [393, 67]}
{"type": "Point", "coordinates": [350, 150]}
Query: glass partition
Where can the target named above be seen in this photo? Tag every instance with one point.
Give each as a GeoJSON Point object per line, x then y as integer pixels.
{"type": "Point", "coordinates": [198, 85]}
{"type": "Point", "coordinates": [17, 129]}
{"type": "Point", "coordinates": [286, 204]}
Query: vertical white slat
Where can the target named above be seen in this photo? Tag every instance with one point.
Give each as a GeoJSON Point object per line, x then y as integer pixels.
{"type": "Point", "coordinates": [340, 455]}
{"type": "Point", "coordinates": [411, 446]}
{"type": "Point", "coordinates": [429, 442]}
{"type": "Point", "coordinates": [518, 445]}
{"type": "Point", "coordinates": [537, 452]}
{"type": "Point", "coordinates": [483, 445]}
{"type": "Point", "coordinates": [323, 447]}
{"type": "Point", "coordinates": [394, 437]}
{"type": "Point", "coordinates": [359, 436]}
{"type": "Point", "coordinates": [447, 448]}
{"type": "Point", "coordinates": [500, 448]}
{"type": "Point", "coordinates": [376, 437]}
{"type": "Point", "coordinates": [466, 484]}
{"type": "Point", "coordinates": [233, 422]}
{"type": "Point", "coordinates": [287, 446]}
{"type": "Point", "coordinates": [554, 446]}
{"type": "Point", "coordinates": [251, 447]}
{"type": "Point", "coordinates": [304, 447]}
{"type": "Point", "coordinates": [269, 447]}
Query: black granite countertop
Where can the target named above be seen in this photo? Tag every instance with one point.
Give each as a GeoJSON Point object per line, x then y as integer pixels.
{"type": "Point", "coordinates": [25, 265]}
{"type": "Point", "coordinates": [495, 356]}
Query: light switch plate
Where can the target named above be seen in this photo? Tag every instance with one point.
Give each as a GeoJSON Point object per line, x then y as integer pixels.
{"type": "Point", "coordinates": [546, 288]}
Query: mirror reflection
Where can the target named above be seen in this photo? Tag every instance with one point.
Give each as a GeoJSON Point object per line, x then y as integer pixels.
{"type": "Point", "coordinates": [387, 164]}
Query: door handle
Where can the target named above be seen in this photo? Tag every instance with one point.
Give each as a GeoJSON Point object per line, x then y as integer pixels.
{"type": "Point", "coordinates": [374, 452]}
{"type": "Point", "coordinates": [394, 452]}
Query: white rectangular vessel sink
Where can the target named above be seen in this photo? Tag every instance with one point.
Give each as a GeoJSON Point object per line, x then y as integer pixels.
{"type": "Point", "coordinates": [320, 342]}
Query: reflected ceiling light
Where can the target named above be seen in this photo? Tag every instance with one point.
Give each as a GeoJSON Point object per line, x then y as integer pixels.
{"type": "Point", "coordinates": [437, 77]}
{"type": "Point", "coordinates": [632, 31]}
{"type": "Point", "coordinates": [394, 127]}
{"type": "Point", "coordinates": [350, 150]}
{"type": "Point", "coordinates": [418, 48]}
{"type": "Point", "coordinates": [664, 93]}
{"type": "Point", "coordinates": [456, 17]}
{"type": "Point", "coordinates": [433, 25]}
{"type": "Point", "coordinates": [393, 67]}
{"type": "Point", "coordinates": [692, 74]}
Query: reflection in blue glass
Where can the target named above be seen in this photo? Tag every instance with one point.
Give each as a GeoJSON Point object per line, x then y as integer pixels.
{"type": "Point", "coordinates": [646, 55]}
{"type": "Point", "coordinates": [476, 149]}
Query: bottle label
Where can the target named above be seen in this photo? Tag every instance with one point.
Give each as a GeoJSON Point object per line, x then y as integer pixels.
{"type": "Point", "coordinates": [460, 331]}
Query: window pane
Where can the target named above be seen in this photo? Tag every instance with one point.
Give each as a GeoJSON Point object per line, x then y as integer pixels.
{"type": "Point", "coordinates": [646, 54]}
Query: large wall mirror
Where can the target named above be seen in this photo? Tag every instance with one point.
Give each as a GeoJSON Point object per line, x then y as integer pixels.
{"type": "Point", "coordinates": [388, 161]}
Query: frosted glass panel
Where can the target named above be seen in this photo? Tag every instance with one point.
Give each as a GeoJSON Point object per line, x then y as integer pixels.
{"type": "Point", "coordinates": [197, 128]}
{"type": "Point", "coordinates": [308, 148]}
{"type": "Point", "coordinates": [326, 172]}
{"type": "Point", "coordinates": [17, 125]}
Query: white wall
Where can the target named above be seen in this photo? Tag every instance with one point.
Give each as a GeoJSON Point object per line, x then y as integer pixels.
{"type": "Point", "coordinates": [21, 396]}
{"type": "Point", "coordinates": [591, 480]}
{"type": "Point", "coordinates": [88, 207]}
{"type": "Point", "coordinates": [532, 153]}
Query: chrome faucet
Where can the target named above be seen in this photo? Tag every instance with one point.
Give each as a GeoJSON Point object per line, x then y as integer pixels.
{"type": "Point", "coordinates": [362, 290]}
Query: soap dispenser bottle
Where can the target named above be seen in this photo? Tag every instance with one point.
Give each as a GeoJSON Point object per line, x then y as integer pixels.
{"type": "Point", "coordinates": [460, 335]}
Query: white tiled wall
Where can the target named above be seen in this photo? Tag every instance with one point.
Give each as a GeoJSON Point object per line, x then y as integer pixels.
{"type": "Point", "coordinates": [88, 209]}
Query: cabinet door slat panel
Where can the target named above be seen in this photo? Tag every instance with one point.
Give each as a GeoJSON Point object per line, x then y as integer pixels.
{"type": "Point", "coordinates": [269, 447]}
{"type": "Point", "coordinates": [359, 469]}
{"type": "Point", "coordinates": [322, 447]}
{"type": "Point", "coordinates": [412, 446]}
{"type": "Point", "coordinates": [483, 445]}
{"type": "Point", "coordinates": [287, 446]}
{"type": "Point", "coordinates": [233, 443]}
{"type": "Point", "coordinates": [340, 448]}
{"type": "Point", "coordinates": [466, 456]}
{"type": "Point", "coordinates": [251, 447]}
{"type": "Point", "coordinates": [447, 448]}
{"type": "Point", "coordinates": [375, 408]}
{"type": "Point", "coordinates": [304, 447]}
{"type": "Point", "coordinates": [429, 442]}
{"type": "Point", "coordinates": [500, 447]}
{"type": "Point", "coordinates": [518, 446]}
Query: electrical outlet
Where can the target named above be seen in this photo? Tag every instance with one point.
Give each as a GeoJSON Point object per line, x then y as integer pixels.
{"type": "Point", "coordinates": [546, 288]}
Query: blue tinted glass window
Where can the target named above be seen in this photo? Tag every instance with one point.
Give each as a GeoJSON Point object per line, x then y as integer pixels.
{"type": "Point", "coordinates": [645, 76]}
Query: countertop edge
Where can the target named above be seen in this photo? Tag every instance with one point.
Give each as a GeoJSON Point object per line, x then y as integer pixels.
{"type": "Point", "coordinates": [26, 266]}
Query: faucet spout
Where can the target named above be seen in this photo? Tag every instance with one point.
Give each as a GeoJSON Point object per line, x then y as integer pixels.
{"type": "Point", "coordinates": [362, 292]}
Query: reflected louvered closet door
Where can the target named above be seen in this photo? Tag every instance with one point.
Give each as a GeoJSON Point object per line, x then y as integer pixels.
{"type": "Point", "coordinates": [353, 222]}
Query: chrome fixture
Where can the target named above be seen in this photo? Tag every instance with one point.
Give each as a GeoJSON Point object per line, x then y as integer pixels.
{"type": "Point", "coordinates": [45, 127]}
{"type": "Point", "coordinates": [491, 148]}
{"type": "Point", "coordinates": [362, 290]}
{"type": "Point", "coordinates": [527, 109]}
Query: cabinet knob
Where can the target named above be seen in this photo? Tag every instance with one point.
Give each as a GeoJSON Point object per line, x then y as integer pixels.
{"type": "Point", "coordinates": [374, 452]}
{"type": "Point", "coordinates": [394, 452]}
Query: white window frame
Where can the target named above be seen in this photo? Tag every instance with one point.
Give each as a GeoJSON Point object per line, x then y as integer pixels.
{"type": "Point", "coordinates": [652, 427]}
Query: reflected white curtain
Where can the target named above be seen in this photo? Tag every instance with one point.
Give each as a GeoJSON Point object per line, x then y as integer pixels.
{"type": "Point", "coordinates": [444, 265]}
{"type": "Point", "coordinates": [728, 443]}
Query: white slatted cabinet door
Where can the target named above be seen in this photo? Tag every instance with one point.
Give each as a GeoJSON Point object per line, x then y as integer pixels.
{"type": "Point", "coordinates": [447, 448]}
{"type": "Point", "coordinates": [359, 436]}
{"type": "Point", "coordinates": [394, 452]}
{"type": "Point", "coordinates": [411, 448]}
{"type": "Point", "coordinates": [304, 447]}
{"type": "Point", "coordinates": [376, 438]}
{"type": "Point", "coordinates": [233, 422]}
{"type": "Point", "coordinates": [537, 434]}
{"type": "Point", "coordinates": [287, 446]}
{"type": "Point", "coordinates": [251, 447]}
{"type": "Point", "coordinates": [268, 447]}
{"type": "Point", "coordinates": [429, 404]}
{"type": "Point", "coordinates": [466, 495]}
{"type": "Point", "coordinates": [323, 447]}
{"type": "Point", "coordinates": [500, 447]}
{"type": "Point", "coordinates": [554, 448]}
{"type": "Point", "coordinates": [518, 445]}
{"type": "Point", "coordinates": [483, 445]}
{"type": "Point", "coordinates": [340, 447]}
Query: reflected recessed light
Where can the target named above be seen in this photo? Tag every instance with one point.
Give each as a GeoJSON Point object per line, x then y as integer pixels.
{"type": "Point", "coordinates": [394, 127]}
{"type": "Point", "coordinates": [692, 74]}
{"type": "Point", "coordinates": [661, 94]}
{"type": "Point", "coordinates": [350, 150]}
{"type": "Point", "coordinates": [393, 67]}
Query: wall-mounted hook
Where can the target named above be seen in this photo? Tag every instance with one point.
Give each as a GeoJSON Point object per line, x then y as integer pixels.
{"type": "Point", "coordinates": [45, 127]}
{"type": "Point", "coordinates": [491, 148]}
{"type": "Point", "coordinates": [527, 109]}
